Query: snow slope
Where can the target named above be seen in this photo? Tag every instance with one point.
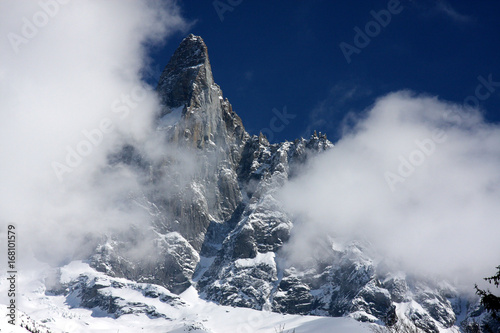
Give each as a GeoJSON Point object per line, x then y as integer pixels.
{"type": "Point", "coordinates": [48, 311]}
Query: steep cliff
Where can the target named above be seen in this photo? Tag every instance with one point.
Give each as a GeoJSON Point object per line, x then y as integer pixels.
{"type": "Point", "coordinates": [220, 227]}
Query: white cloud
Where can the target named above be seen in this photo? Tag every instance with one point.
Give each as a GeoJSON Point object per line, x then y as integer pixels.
{"type": "Point", "coordinates": [441, 219]}
{"type": "Point", "coordinates": [78, 65]}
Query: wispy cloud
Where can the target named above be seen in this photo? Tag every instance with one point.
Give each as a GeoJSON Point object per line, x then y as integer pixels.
{"type": "Point", "coordinates": [445, 8]}
{"type": "Point", "coordinates": [62, 74]}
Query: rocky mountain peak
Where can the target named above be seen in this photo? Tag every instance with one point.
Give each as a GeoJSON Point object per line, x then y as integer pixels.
{"type": "Point", "coordinates": [195, 113]}
{"type": "Point", "coordinates": [222, 229]}
{"type": "Point", "coordinates": [187, 71]}
{"type": "Point", "coordinates": [192, 51]}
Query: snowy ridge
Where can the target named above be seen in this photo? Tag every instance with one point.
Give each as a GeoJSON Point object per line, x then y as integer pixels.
{"type": "Point", "coordinates": [143, 307]}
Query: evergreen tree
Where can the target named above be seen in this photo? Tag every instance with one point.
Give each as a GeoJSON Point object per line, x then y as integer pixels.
{"type": "Point", "coordinates": [491, 302]}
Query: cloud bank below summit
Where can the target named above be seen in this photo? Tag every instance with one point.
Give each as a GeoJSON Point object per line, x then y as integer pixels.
{"type": "Point", "coordinates": [437, 217]}
{"type": "Point", "coordinates": [71, 83]}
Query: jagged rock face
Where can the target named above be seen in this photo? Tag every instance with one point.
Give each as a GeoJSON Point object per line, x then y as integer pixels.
{"type": "Point", "coordinates": [170, 261]}
{"type": "Point", "coordinates": [188, 72]}
{"type": "Point", "coordinates": [104, 296]}
{"type": "Point", "coordinates": [187, 85]}
{"type": "Point", "coordinates": [222, 229]}
{"type": "Point", "coordinates": [215, 135]}
{"type": "Point", "coordinates": [201, 124]}
{"type": "Point", "coordinates": [247, 250]}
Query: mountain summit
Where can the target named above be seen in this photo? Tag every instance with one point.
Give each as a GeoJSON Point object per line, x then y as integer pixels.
{"type": "Point", "coordinates": [187, 72]}
{"type": "Point", "coordinates": [217, 225]}
{"type": "Point", "coordinates": [186, 88]}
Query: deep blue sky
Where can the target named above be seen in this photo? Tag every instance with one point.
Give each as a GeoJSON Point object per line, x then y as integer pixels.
{"type": "Point", "coordinates": [272, 54]}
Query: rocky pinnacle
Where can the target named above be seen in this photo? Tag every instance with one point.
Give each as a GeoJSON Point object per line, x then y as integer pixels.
{"type": "Point", "coordinates": [188, 70]}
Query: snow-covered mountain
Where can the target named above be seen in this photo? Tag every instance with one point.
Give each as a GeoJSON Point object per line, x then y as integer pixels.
{"type": "Point", "coordinates": [77, 299]}
{"type": "Point", "coordinates": [216, 243]}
